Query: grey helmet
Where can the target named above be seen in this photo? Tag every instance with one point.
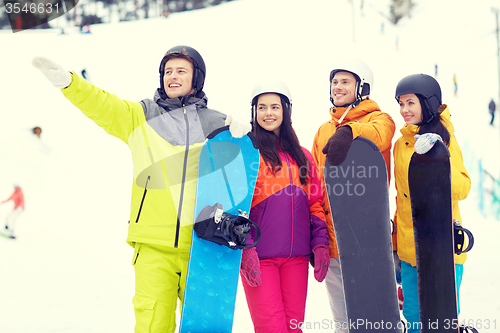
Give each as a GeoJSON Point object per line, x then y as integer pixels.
{"type": "Point", "coordinates": [362, 73]}
{"type": "Point", "coordinates": [427, 90]}
{"type": "Point", "coordinates": [276, 87]}
{"type": "Point", "coordinates": [198, 65]}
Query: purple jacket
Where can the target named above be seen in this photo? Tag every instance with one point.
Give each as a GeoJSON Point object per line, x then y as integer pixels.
{"type": "Point", "coordinates": [290, 215]}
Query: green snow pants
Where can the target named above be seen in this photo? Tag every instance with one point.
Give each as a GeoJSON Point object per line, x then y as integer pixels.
{"type": "Point", "coordinates": [160, 278]}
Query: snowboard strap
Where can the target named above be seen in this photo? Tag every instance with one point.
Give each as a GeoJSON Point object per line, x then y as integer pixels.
{"type": "Point", "coordinates": [405, 328]}
{"type": "Point", "coordinates": [459, 233]}
{"type": "Point", "coordinates": [215, 225]}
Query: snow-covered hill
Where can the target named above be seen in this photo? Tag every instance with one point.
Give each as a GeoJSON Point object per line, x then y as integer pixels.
{"type": "Point", "coordinates": [70, 268]}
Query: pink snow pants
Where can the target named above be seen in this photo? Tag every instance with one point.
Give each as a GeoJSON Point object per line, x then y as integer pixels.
{"type": "Point", "coordinates": [278, 304]}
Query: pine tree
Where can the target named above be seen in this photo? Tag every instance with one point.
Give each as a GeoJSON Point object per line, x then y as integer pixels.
{"type": "Point", "coordinates": [400, 9]}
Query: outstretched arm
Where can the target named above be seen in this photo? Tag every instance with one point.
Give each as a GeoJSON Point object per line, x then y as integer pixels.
{"type": "Point", "coordinates": [116, 116]}
{"type": "Point", "coordinates": [53, 72]}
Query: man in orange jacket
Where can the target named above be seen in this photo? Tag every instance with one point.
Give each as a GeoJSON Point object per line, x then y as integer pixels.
{"type": "Point", "coordinates": [18, 198]}
{"type": "Point", "coordinates": [353, 114]}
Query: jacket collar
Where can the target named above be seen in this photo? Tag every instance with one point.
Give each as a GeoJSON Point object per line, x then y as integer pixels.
{"type": "Point", "coordinates": [409, 131]}
{"type": "Point", "coordinates": [169, 104]}
{"type": "Point", "coordinates": [364, 107]}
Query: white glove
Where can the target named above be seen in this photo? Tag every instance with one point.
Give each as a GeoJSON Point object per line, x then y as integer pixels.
{"type": "Point", "coordinates": [53, 71]}
{"type": "Point", "coordinates": [238, 127]}
{"type": "Point", "coordinates": [425, 142]}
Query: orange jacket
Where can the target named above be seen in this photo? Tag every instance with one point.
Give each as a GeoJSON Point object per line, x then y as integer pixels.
{"type": "Point", "coordinates": [365, 120]}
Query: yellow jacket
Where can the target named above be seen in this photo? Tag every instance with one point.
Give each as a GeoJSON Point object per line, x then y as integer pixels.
{"type": "Point", "coordinates": [460, 186]}
{"type": "Point", "coordinates": [365, 120]}
{"type": "Point", "coordinates": [165, 139]}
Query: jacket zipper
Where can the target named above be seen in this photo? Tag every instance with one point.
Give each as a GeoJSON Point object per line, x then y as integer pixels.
{"type": "Point", "coordinates": [181, 197]}
{"type": "Point", "coordinates": [143, 197]}
{"type": "Point", "coordinates": [291, 196]}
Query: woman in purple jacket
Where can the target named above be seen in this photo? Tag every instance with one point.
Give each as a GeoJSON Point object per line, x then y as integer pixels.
{"type": "Point", "coordinates": [287, 207]}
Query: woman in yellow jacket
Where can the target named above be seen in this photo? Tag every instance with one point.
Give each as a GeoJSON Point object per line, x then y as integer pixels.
{"type": "Point", "coordinates": [427, 120]}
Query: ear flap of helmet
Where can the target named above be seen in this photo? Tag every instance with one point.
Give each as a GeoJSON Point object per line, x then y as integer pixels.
{"type": "Point", "coordinates": [365, 91]}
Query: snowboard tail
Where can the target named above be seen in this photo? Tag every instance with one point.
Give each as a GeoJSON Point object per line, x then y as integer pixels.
{"type": "Point", "coordinates": [227, 172]}
{"type": "Point", "coordinates": [359, 200]}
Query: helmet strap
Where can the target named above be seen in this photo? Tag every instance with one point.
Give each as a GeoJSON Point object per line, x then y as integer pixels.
{"type": "Point", "coordinates": [345, 114]}
{"type": "Point", "coordinates": [427, 105]}
{"type": "Point", "coordinates": [431, 118]}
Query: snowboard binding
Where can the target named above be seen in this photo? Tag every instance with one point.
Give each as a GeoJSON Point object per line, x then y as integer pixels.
{"type": "Point", "coordinates": [468, 329]}
{"type": "Point", "coordinates": [215, 225]}
{"type": "Point", "coordinates": [459, 233]}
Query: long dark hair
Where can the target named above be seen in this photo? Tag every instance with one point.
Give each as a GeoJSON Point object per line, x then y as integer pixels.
{"type": "Point", "coordinates": [431, 122]}
{"type": "Point", "coordinates": [287, 142]}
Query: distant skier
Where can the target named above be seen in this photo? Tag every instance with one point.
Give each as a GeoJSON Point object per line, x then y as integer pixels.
{"type": "Point", "coordinates": [287, 206]}
{"type": "Point", "coordinates": [426, 120]}
{"type": "Point", "coordinates": [18, 198]}
{"type": "Point", "coordinates": [353, 114]}
{"type": "Point", "coordinates": [85, 29]}
{"type": "Point", "coordinates": [455, 83]}
{"type": "Point", "coordinates": [38, 143]}
{"type": "Point", "coordinates": [165, 136]}
{"type": "Point", "coordinates": [492, 107]}
{"type": "Point", "coordinates": [37, 131]}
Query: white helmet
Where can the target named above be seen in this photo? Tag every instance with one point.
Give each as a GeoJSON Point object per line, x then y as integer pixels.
{"type": "Point", "coordinates": [363, 74]}
{"type": "Point", "coordinates": [276, 87]}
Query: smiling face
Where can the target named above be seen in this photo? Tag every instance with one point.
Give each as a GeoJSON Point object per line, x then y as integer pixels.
{"type": "Point", "coordinates": [343, 88]}
{"type": "Point", "coordinates": [270, 112]}
{"type": "Point", "coordinates": [178, 78]}
{"type": "Point", "coordinates": [410, 109]}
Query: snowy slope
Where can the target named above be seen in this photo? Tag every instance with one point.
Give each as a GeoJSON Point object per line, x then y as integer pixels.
{"type": "Point", "coordinates": [70, 268]}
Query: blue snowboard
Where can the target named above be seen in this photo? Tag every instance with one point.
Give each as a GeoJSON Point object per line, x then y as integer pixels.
{"type": "Point", "coordinates": [227, 172]}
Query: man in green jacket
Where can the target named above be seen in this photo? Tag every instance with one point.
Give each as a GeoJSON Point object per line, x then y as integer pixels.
{"type": "Point", "coordinates": [165, 135]}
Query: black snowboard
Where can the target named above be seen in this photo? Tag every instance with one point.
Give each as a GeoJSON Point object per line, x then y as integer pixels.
{"type": "Point", "coordinates": [359, 198]}
{"type": "Point", "coordinates": [429, 178]}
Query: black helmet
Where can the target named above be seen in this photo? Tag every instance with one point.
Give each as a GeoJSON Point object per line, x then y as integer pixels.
{"type": "Point", "coordinates": [427, 90]}
{"type": "Point", "coordinates": [198, 64]}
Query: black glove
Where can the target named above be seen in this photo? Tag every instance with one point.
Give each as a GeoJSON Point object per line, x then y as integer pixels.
{"type": "Point", "coordinates": [338, 145]}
